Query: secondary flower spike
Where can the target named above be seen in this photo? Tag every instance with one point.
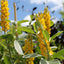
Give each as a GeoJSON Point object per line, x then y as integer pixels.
{"type": "Point", "coordinates": [28, 49]}
{"type": "Point", "coordinates": [4, 15]}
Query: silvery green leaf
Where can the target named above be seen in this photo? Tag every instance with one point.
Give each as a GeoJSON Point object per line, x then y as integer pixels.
{"type": "Point", "coordinates": [55, 61]}
{"type": "Point", "coordinates": [42, 61]}
{"type": "Point", "coordinates": [31, 55]}
{"type": "Point", "coordinates": [53, 47]}
{"type": "Point", "coordinates": [18, 47]}
{"type": "Point", "coordinates": [23, 35]}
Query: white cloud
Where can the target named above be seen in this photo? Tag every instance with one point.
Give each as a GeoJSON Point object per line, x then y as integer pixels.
{"type": "Point", "coordinates": [27, 23]}
{"type": "Point", "coordinates": [58, 3]}
{"type": "Point", "coordinates": [47, 1]}
{"type": "Point", "coordinates": [54, 19]}
{"type": "Point", "coordinates": [37, 1]}
{"type": "Point", "coordinates": [27, 18]}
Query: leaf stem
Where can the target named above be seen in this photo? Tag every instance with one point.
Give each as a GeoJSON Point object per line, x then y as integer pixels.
{"type": "Point", "coordinates": [46, 47]}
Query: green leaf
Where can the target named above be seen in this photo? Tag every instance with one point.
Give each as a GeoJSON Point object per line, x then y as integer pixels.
{"type": "Point", "coordinates": [55, 35]}
{"type": "Point", "coordinates": [9, 37]}
{"type": "Point", "coordinates": [12, 30]}
{"type": "Point", "coordinates": [18, 47]}
{"type": "Point", "coordinates": [7, 60]}
{"type": "Point", "coordinates": [61, 12]}
{"type": "Point", "coordinates": [37, 49]}
{"type": "Point", "coordinates": [55, 61]}
{"type": "Point", "coordinates": [63, 23]}
{"type": "Point", "coordinates": [4, 46]}
{"type": "Point", "coordinates": [22, 21]}
{"type": "Point", "coordinates": [26, 29]}
{"type": "Point", "coordinates": [31, 16]}
{"type": "Point", "coordinates": [53, 48]}
{"type": "Point", "coordinates": [8, 20]}
{"type": "Point", "coordinates": [35, 27]}
{"type": "Point", "coordinates": [31, 55]}
{"type": "Point", "coordinates": [19, 31]}
{"type": "Point", "coordinates": [38, 24]}
{"type": "Point", "coordinates": [42, 61]}
{"type": "Point", "coordinates": [51, 24]}
{"type": "Point", "coordinates": [46, 35]}
{"type": "Point", "coordinates": [0, 29]}
{"type": "Point", "coordinates": [59, 54]}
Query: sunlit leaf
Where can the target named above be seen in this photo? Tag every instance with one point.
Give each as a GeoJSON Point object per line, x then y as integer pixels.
{"type": "Point", "coordinates": [52, 23]}
{"type": "Point", "coordinates": [8, 20]}
{"type": "Point", "coordinates": [26, 29]}
{"type": "Point", "coordinates": [55, 35]}
{"type": "Point", "coordinates": [31, 16]}
{"type": "Point", "coordinates": [35, 27]}
{"type": "Point", "coordinates": [59, 54]}
{"type": "Point", "coordinates": [22, 21]}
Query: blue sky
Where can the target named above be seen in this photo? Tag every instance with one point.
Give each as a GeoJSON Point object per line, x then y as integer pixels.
{"type": "Point", "coordinates": [29, 4]}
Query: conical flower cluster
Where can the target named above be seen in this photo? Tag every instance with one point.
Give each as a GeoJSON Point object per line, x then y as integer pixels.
{"type": "Point", "coordinates": [4, 15]}
{"type": "Point", "coordinates": [44, 19]}
{"type": "Point", "coordinates": [28, 49]}
{"type": "Point", "coordinates": [46, 16]}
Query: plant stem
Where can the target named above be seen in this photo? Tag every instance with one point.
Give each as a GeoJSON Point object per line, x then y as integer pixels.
{"type": "Point", "coordinates": [15, 17]}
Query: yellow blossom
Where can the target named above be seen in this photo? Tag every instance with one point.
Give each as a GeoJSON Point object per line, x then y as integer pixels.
{"type": "Point", "coordinates": [4, 15]}
{"type": "Point", "coordinates": [28, 49]}
{"type": "Point", "coordinates": [44, 19]}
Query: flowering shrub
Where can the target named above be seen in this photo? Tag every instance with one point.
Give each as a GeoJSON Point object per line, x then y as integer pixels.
{"type": "Point", "coordinates": [32, 47]}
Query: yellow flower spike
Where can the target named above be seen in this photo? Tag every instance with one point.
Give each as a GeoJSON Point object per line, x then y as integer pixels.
{"type": "Point", "coordinates": [7, 17]}
{"type": "Point", "coordinates": [8, 27]}
{"type": "Point", "coordinates": [28, 49]}
{"type": "Point", "coordinates": [4, 15]}
{"type": "Point", "coordinates": [47, 19]}
{"type": "Point", "coordinates": [44, 19]}
{"type": "Point", "coordinates": [2, 2]}
{"type": "Point", "coordinates": [3, 29]}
